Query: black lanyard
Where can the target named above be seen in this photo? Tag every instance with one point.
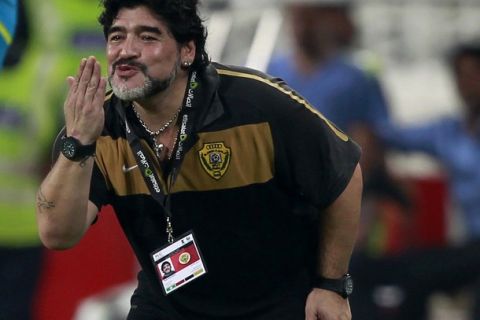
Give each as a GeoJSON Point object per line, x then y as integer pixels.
{"type": "Point", "coordinates": [145, 161]}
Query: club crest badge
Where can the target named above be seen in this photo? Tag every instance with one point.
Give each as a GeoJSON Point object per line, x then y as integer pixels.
{"type": "Point", "coordinates": [184, 258]}
{"type": "Point", "coordinates": [215, 159]}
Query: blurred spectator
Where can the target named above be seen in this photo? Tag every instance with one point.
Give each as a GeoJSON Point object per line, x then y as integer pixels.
{"type": "Point", "coordinates": [395, 278]}
{"type": "Point", "coordinates": [20, 252]}
{"type": "Point", "coordinates": [384, 236]}
{"type": "Point", "coordinates": [19, 256]}
{"type": "Point", "coordinates": [386, 224]}
{"type": "Point", "coordinates": [32, 89]}
{"type": "Point", "coordinates": [454, 141]}
{"type": "Point", "coordinates": [8, 21]}
{"type": "Point", "coordinates": [321, 66]}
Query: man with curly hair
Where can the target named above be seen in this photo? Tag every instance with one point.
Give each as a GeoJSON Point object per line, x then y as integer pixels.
{"type": "Point", "coordinates": [211, 167]}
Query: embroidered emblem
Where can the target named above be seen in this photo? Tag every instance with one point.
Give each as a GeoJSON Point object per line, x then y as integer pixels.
{"type": "Point", "coordinates": [215, 158]}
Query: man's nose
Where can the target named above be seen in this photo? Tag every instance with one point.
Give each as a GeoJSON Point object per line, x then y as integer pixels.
{"type": "Point", "coordinates": [130, 48]}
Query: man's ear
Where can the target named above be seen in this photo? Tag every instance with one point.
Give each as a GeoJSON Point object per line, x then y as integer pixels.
{"type": "Point", "coordinates": [187, 52]}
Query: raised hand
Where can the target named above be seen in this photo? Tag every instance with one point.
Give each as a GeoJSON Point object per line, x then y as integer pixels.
{"type": "Point", "coordinates": [83, 108]}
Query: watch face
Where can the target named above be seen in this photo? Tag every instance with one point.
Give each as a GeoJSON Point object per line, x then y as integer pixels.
{"type": "Point", "coordinates": [68, 149]}
{"type": "Point", "coordinates": [348, 285]}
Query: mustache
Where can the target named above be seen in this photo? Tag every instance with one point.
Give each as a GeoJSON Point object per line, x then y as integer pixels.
{"type": "Point", "coordinates": [129, 62]}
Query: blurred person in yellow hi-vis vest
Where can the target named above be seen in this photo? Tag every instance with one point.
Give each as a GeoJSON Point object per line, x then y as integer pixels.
{"type": "Point", "coordinates": [50, 38]}
{"type": "Point", "coordinates": [8, 21]}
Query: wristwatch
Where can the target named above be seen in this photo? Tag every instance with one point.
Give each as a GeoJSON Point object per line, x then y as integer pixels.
{"type": "Point", "coordinates": [343, 286]}
{"type": "Point", "coordinates": [73, 150]}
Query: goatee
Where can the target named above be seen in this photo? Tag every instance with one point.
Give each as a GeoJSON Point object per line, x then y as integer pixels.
{"type": "Point", "coordinates": [151, 86]}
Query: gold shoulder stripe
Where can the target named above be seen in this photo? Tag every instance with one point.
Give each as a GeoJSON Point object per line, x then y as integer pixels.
{"type": "Point", "coordinates": [339, 133]}
{"type": "Point", "coordinates": [5, 34]}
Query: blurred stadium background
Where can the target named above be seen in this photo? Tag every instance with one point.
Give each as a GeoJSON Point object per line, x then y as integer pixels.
{"type": "Point", "coordinates": [404, 41]}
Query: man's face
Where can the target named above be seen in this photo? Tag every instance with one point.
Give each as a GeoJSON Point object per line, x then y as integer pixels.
{"type": "Point", "coordinates": [317, 28]}
{"type": "Point", "coordinates": [166, 268]}
{"type": "Point", "coordinates": [468, 81]}
{"type": "Point", "coordinates": [143, 56]}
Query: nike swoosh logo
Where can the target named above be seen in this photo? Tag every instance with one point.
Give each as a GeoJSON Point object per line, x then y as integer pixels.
{"type": "Point", "coordinates": [125, 169]}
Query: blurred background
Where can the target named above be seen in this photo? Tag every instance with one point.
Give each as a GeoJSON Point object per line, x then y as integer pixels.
{"type": "Point", "coordinates": [403, 45]}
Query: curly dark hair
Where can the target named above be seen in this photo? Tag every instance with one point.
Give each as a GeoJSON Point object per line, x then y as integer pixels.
{"type": "Point", "coordinates": [181, 17]}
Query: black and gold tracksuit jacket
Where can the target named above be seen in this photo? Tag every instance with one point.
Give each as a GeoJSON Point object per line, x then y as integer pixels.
{"type": "Point", "coordinates": [256, 174]}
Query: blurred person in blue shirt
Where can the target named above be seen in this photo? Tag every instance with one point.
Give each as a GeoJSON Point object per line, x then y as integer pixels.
{"type": "Point", "coordinates": [454, 141]}
{"type": "Point", "coordinates": [395, 277]}
{"type": "Point", "coordinates": [8, 20]}
{"type": "Point", "coordinates": [322, 67]}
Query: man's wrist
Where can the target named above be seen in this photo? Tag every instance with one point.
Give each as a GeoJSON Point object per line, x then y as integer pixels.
{"type": "Point", "coordinates": [74, 150]}
{"type": "Point", "coordinates": [342, 286]}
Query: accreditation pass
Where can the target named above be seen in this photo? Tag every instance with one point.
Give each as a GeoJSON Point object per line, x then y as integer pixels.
{"type": "Point", "coordinates": [178, 263]}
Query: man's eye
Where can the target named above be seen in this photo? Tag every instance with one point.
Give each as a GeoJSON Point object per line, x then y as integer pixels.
{"type": "Point", "coordinates": [148, 38]}
{"type": "Point", "coordinates": [115, 37]}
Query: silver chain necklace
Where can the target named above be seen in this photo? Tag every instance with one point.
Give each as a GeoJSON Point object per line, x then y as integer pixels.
{"type": "Point", "coordinates": [158, 147]}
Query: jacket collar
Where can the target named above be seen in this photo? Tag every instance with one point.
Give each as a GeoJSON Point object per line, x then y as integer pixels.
{"type": "Point", "coordinates": [211, 108]}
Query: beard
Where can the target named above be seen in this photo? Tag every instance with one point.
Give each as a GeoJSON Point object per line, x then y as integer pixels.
{"type": "Point", "coordinates": [150, 87]}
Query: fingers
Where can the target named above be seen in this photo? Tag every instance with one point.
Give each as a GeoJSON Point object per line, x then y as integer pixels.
{"type": "Point", "coordinates": [99, 96]}
{"type": "Point", "coordinates": [92, 85]}
{"type": "Point", "coordinates": [81, 67]}
{"type": "Point", "coordinates": [84, 102]}
{"type": "Point", "coordinates": [73, 82]}
{"type": "Point", "coordinates": [69, 105]}
{"type": "Point", "coordinates": [310, 315]}
{"type": "Point", "coordinates": [84, 81]}
{"type": "Point", "coordinates": [83, 62]}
